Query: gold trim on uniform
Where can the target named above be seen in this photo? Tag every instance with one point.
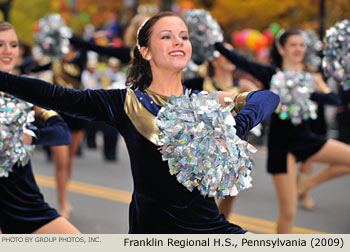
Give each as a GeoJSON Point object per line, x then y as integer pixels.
{"type": "Point", "coordinates": [44, 115]}
{"type": "Point", "coordinates": [66, 74]}
{"type": "Point", "coordinates": [71, 69]}
{"type": "Point", "coordinates": [157, 98]}
{"type": "Point", "coordinates": [143, 120]}
{"type": "Point", "coordinates": [16, 71]}
{"type": "Point", "coordinates": [240, 101]}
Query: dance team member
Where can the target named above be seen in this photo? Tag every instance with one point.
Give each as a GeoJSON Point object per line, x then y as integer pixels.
{"type": "Point", "coordinates": [160, 204]}
{"type": "Point", "coordinates": [287, 143]}
{"type": "Point", "coordinates": [22, 206]}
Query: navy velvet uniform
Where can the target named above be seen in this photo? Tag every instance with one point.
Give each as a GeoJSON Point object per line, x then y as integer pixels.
{"type": "Point", "coordinates": [22, 206]}
{"type": "Point", "coordinates": [284, 137]}
{"type": "Point", "coordinates": [160, 204]}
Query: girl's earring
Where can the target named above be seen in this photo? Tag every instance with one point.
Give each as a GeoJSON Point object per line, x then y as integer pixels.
{"type": "Point", "coordinates": [148, 57]}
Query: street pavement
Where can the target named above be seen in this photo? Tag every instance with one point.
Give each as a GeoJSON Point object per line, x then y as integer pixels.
{"type": "Point", "coordinates": [100, 192]}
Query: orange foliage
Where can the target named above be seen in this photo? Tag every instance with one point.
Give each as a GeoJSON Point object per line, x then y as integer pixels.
{"type": "Point", "coordinates": [258, 14]}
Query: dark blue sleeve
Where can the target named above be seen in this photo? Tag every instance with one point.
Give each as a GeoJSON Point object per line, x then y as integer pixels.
{"type": "Point", "coordinates": [55, 132]}
{"type": "Point", "coordinates": [98, 105]}
{"type": "Point", "coordinates": [261, 72]}
{"type": "Point", "coordinates": [259, 105]}
{"type": "Point", "coordinates": [38, 68]}
{"type": "Point", "coordinates": [326, 99]}
{"type": "Point", "coordinates": [122, 53]}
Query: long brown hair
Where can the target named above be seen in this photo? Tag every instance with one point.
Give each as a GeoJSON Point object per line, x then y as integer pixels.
{"type": "Point", "coordinates": [140, 74]}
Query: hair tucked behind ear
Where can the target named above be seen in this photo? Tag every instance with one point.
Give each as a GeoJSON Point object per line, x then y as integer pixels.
{"type": "Point", "coordinates": [139, 73]}
{"type": "Point", "coordinates": [276, 58]}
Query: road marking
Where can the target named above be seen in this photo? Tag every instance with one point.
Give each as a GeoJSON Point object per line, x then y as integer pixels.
{"type": "Point", "coordinates": [251, 223]}
{"type": "Point", "coordinates": [264, 226]}
{"type": "Point", "coordinates": [87, 189]}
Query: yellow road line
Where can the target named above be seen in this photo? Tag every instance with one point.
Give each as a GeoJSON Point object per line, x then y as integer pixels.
{"type": "Point", "coordinates": [250, 223]}
{"type": "Point", "coordinates": [88, 189]}
{"type": "Point", "coordinates": [265, 226]}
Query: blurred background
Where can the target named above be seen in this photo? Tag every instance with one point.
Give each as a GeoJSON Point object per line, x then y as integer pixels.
{"type": "Point", "coordinates": [232, 15]}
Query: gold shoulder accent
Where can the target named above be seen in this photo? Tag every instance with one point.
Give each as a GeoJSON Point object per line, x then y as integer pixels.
{"type": "Point", "coordinates": [58, 73]}
{"type": "Point", "coordinates": [61, 78]}
{"type": "Point", "coordinates": [56, 67]}
{"type": "Point", "coordinates": [71, 69]}
{"type": "Point", "coordinates": [44, 115]}
{"type": "Point", "coordinates": [141, 118]}
{"type": "Point", "coordinates": [240, 101]}
{"type": "Point", "coordinates": [16, 71]}
{"type": "Point", "coordinates": [157, 98]}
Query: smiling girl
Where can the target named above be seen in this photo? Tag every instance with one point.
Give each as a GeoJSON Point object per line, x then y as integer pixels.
{"type": "Point", "coordinates": [22, 206]}
{"type": "Point", "coordinates": [289, 143]}
{"type": "Point", "coordinates": [160, 204]}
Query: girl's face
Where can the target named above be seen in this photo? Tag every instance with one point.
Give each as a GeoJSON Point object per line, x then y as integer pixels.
{"type": "Point", "coordinates": [9, 50]}
{"type": "Point", "coordinates": [294, 49]}
{"type": "Point", "coordinates": [169, 47]}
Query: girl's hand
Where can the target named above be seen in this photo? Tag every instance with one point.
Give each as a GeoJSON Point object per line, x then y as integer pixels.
{"type": "Point", "coordinates": [27, 139]}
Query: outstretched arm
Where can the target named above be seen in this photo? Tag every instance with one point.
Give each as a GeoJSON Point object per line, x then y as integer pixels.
{"type": "Point", "coordinates": [326, 98]}
{"type": "Point", "coordinates": [254, 107]}
{"type": "Point", "coordinates": [101, 105]}
{"type": "Point", "coordinates": [38, 68]}
{"type": "Point", "coordinates": [261, 72]}
{"type": "Point", "coordinates": [122, 53]}
{"type": "Point", "coordinates": [323, 94]}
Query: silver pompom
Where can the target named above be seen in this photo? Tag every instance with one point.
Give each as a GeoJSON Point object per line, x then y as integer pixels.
{"type": "Point", "coordinates": [336, 60]}
{"type": "Point", "coordinates": [204, 32]}
{"type": "Point", "coordinates": [313, 48]}
{"type": "Point", "coordinates": [53, 36]}
{"type": "Point", "coordinates": [16, 117]}
{"type": "Point", "coordinates": [199, 142]}
{"type": "Point", "coordinates": [294, 90]}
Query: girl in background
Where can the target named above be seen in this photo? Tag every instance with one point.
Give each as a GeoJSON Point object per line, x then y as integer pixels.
{"type": "Point", "coordinates": [22, 206]}
{"type": "Point", "coordinates": [287, 143]}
